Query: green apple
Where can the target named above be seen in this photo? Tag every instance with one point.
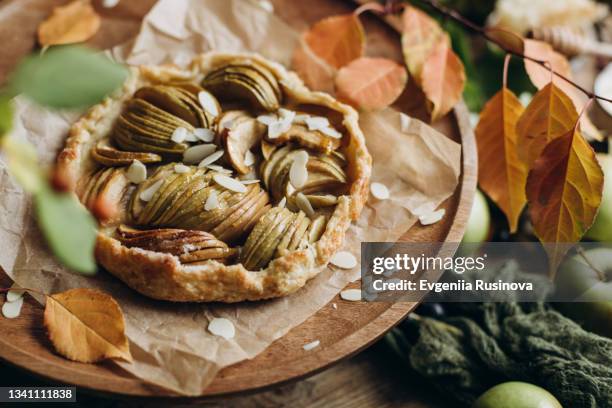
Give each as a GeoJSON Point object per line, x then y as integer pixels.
{"type": "Point", "coordinates": [591, 286]}
{"type": "Point", "coordinates": [602, 227]}
{"type": "Point", "coordinates": [517, 394]}
{"type": "Point", "coordinates": [479, 223]}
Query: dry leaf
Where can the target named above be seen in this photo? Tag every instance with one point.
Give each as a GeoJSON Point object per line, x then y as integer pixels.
{"type": "Point", "coordinates": [509, 39]}
{"type": "Point", "coordinates": [86, 325]}
{"type": "Point", "coordinates": [541, 76]}
{"type": "Point", "coordinates": [420, 34]}
{"type": "Point", "coordinates": [75, 22]}
{"type": "Point", "coordinates": [564, 191]}
{"type": "Point", "coordinates": [337, 40]}
{"type": "Point", "coordinates": [501, 174]}
{"type": "Point", "coordinates": [550, 114]}
{"type": "Point", "coordinates": [371, 83]}
{"type": "Point", "coordinates": [443, 79]}
{"type": "Point", "coordinates": [315, 72]}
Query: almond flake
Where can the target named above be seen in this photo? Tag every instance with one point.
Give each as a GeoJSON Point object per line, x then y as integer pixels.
{"type": "Point", "coordinates": [344, 260]}
{"type": "Point", "coordinates": [379, 191]}
{"type": "Point", "coordinates": [205, 135]}
{"type": "Point", "coordinates": [179, 135]}
{"type": "Point", "coordinates": [137, 172]}
{"type": "Point", "coordinates": [424, 209]}
{"type": "Point", "coordinates": [109, 3]}
{"type": "Point", "coordinates": [181, 169]}
{"type": "Point", "coordinates": [208, 103]}
{"type": "Point", "coordinates": [275, 129]}
{"type": "Point", "coordinates": [249, 158]}
{"type": "Point", "coordinates": [196, 154]}
{"type": "Point", "coordinates": [191, 138]}
{"type": "Point", "coordinates": [316, 122]}
{"type": "Point", "coordinates": [247, 182]}
{"type": "Point", "coordinates": [211, 159]}
{"type": "Point", "coordinates": [404, 122]}
{"type": "Point", "coordinates": [282, 203]}
{"type": "Point", "coordinates": [14, 294]}
{"type": "Point", "coordinates": [148, 193]}
{"type": "Point", "coordinates": [266, 5]}
{"type": "Point", "coordinates": [11, 310]}
{"type": "Point", "coordinates": [301, 157]}
{"type": "Point", "coordinates": [298, 174]}
{"type": "Point", "coordinates": [286, 115]}
{"type": "Point", "coordinates": [311, 345]}
{"type": "Point", "coordinates": [304, 205]}
{"type": "Point", "coordinates": [267, 119]}
{"type": "Point", "coordinates": [229, 183]}
{"type": "Point", "coordinates": [212, 202]}
{"type": "Point", "coordinates": [300, 118]}
{"type": "Point", "coordinates": [433, 217]}
{"type": "Point", "coordinates": [335, 305]}
{"type": "Point", "coordinates": [331, 132]}
{"type": "Point", "coordinates": [352, 295]}
{"type": "Point", "coordinates": [220, 326]}
{"type": "Point", "coordinates": [220, 169]}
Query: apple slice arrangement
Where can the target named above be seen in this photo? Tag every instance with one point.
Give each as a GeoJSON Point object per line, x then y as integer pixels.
{"type": "Point", "coordinates": [235, 175]}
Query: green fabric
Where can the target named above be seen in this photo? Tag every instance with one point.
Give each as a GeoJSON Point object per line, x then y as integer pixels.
{"type": "Point", "coordinates": [484, 344]}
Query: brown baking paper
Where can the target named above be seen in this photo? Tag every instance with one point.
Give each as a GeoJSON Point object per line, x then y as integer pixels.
{"type": "Point", "coordinates": [169, 341]}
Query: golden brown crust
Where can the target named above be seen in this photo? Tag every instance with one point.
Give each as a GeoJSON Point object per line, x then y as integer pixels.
{"type": "Point", "coordinates": [162, 276]}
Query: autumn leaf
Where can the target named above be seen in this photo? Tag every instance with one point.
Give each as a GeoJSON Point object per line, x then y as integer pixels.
{"type": "Point", "coordinates": [86, 325]}
{"type": "Point", "coordinates": [337, 40]}
{"type": "Point", "coordinates": [541, 76]}
{"type": "Point", "coordinates": [501, 174]}
{"type": "Point", "coordinates": [442, 80]}
{"type": "Point", "coordinates": [510, 40]}
{"type": "Point", "coordinates": [550, 114]}
{"type": "Point", "coordinates": [564, 191]}
{"type": "Point", "coordinates": [371, 83]}
{"type": "Point", "coordinates": [420, 34]}
{"type": "Point", "coordinates": [75, 22]}
{"type": "Point", "coordinates": [317, 74]}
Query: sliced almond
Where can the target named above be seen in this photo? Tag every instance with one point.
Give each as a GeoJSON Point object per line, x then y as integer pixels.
{"type": "Point", "coordinates": [311, 345]}
{"type": "Point", "coordinates": [352, 295]}
{"type": "Point", "coordinates": [335, 306]}
{"type": "Point", "coordinates": [196, 154]}
{"type": "Point", "coordinates": [286, 115]}
{"type": "Point", "coordinates": [181, 168]}
{"type": "Point", "coordinates": [249, 158]}
{"type": "Point", "coordinates": [300, 118]}
{"type": "Point", "coordinates": [220, 326]}
{"type": "Point", "coordinates": [282, 203]}
{"type": "Point", "coordinates": [267, 119]}
{"type": "Point", "coordinates": [301, 157]}
{"type": "Point", "coordinates": [316, 122]}
{"type": "Point", "coordinates": [209, 103]}
{"type": "Point", "coordinates": [344, 260]}
{"type": "Point", "coordinates": [433, 217]}
{"type": "Point", "coordinates": [331, 132]}
{"type": "Point", "coordinates": [137, 172]}
{"type": "Point", "coordinates": [147, 194]}
{"type": "Point", "coordinates": [11, 310]}
{"type": "Point", "coordinates": [379, 191]}
{"type": "Point", "coordinates": [211, 159]}
{"type": "Point", "coordinates": [109, 3]}
{"type": "Point", "coordinates": [424, 209]}
{"type": "Point", "coordinates": [229, 183]}
{"type": "Point", "coordinates": [266, 5]}
{"type": "Point", "coordinates": [212, 202]}
{"type": "Point", "coordinates": [14, 294]}
{"type": "Point", "coordinates": [220, 169]}
{"type": "Point", "coordinates": [275, 129]}
{"type": "Point", "coordinates": [247, 182]}
{"type": "Point", "coordinates": [298, 174]}
{"type": "Point", "coordinates": [404, 122]}
{"type": "Point", "coordinates": [205, 135]}
{"type": "Point", "coordinates": [179, 135]}
{"type": "Point", "coordinates": [304, 205]}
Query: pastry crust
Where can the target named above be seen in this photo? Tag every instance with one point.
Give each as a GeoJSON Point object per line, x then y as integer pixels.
{"type": "Point", "coordinates": [162, 275]}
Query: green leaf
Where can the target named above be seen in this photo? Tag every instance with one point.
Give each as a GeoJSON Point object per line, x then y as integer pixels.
{"type": "Point", "coordinates": [6, 115]}
{"type": "Point", "coordinates": [68, 77]}
{"type": "Point", "coordinates": [22, 162]}
{"type": "Point", "coordinates": [69, 229]}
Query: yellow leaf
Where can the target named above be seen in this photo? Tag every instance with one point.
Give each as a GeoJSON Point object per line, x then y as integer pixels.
{"type": "Point", "coordinates": [550, 114]}
{"type": "Point", "coordinates": [501, 174]}
{"type": "Point", "coordinates": [315, 72]}
{"type": "Point", "coordinates": [75, 22]}
{"type": "Point", "coordinates": [564, 191]}
{"type": "Point", "coordinates": [86, 325]}
{"type": "Point", "coordinates": [337, 40]}
{"type": "Point", "coordinates": [371, 83]}
{"type": "Point", "coordinates": [420, 34]}
{"type": "Point", "coordinates": [541, 76]}
{"type": "Point", "coordinates": [442, 79]}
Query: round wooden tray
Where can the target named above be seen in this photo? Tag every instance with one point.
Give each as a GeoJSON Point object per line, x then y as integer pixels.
{"type": "Point", "coordinates": [342, 332]}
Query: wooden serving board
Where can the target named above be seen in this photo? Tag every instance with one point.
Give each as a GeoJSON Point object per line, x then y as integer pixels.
{"type": "Point", "coordinates": [342, 332]}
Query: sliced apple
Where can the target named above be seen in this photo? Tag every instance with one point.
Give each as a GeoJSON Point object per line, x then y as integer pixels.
{"type": "Point", "coordinates": [240, 138]}
{"type": "Point", "coordinates": [311, 139]}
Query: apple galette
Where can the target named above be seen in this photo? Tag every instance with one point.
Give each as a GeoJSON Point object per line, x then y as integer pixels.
{"type": "Point", "coordinates": [229, 180]}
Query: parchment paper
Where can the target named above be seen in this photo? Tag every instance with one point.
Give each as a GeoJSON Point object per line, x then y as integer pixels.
{"type": "Point", "coordinates": [169, 342]}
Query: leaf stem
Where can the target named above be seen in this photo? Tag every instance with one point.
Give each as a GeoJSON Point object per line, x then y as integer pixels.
{"type": "Point", "coordinates": [506, 63]}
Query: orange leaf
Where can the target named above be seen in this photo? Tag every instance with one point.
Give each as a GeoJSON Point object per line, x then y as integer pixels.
{"type": "Point", "coordinates": [371, 83]}
{"type": "Point", "coordinates": [75, 22]}
{"type": "Point", "coordinates": [541, 76]}
{"type": "Point", "coordinates": [564, 191]}
{"type": "Point", "coordinates": [86, 325]}
{"type": "Point", "coordinates": [337, 40]}
{"type": "Point", "coordinates": [443, 79]}
{"type": "Point", "coordinates": [501, 174]}
{"type": "Point", "coordinates": [509, 39]}
{"type": "Point", "coordinates": [550, 114]}
{"type": "Point", "coordinates": [420, 34]}
{"type": "Point", "coordinates": [315, 72]}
